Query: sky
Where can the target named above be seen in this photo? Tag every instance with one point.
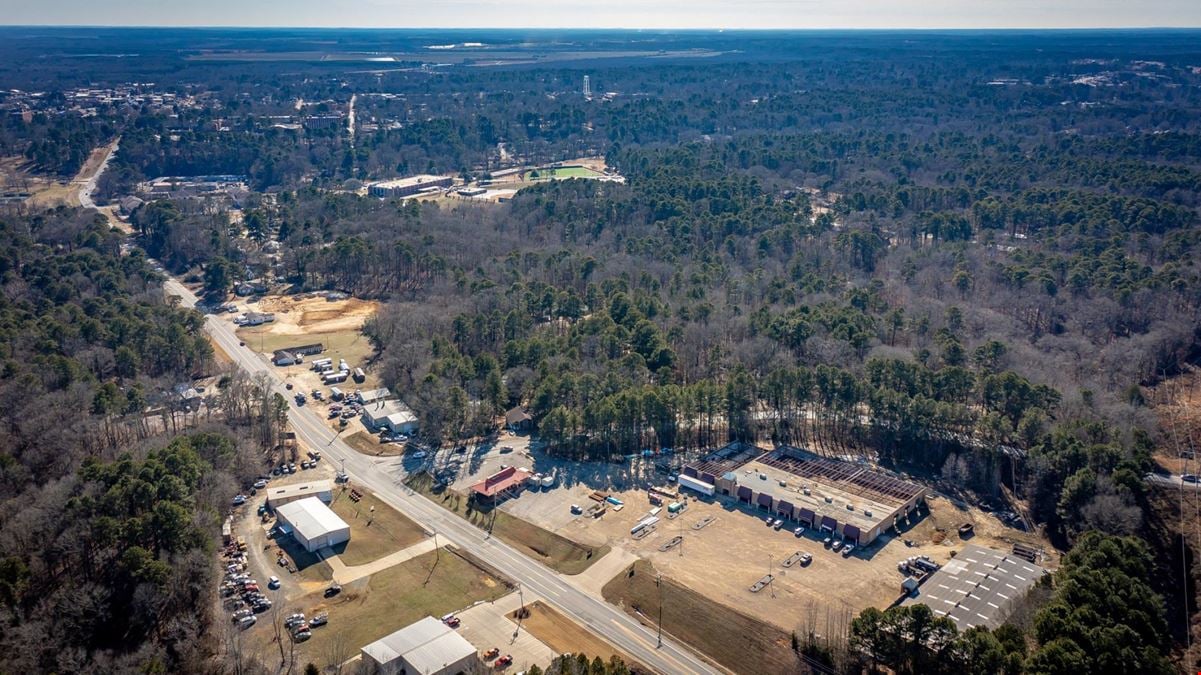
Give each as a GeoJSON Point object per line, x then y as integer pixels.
{"type": "Point", "coordinates": [610, 13]}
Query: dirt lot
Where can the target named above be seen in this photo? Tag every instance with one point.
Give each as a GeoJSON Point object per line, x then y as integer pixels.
{"type": "Point", "coordinates": [373, 534]}
{"type": "Point", "coordinates": [563, 635]}
{"type": "Point", "coordinates": [430, 585]}
{"type": "Point", "coordinates": [304, 319]}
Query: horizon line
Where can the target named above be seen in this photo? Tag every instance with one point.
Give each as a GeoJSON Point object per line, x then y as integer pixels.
{"type": "Point", "coordinates": [693, 29]}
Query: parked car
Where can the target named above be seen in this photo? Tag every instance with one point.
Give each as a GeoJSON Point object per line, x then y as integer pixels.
{"type": "Point", "coordinates": [1189, 478]}
{"type": "Point", "coordinates": [332, 590]}
{"type": "Point", "coordinates": [778, 524]}
{"type": "Point", "coordinates": [503, 662]}
{"type": "Point", "coordinates": [260, 484]}
{"type": "Point", "coordinates": [800, 531]}
{"type": "Point", "coordinates": [288, 386]}
{"type": "Point", "coordinates": [239, 500]}
{"type": "Point", "coordinates": [806, 559]}
{"type": "Point", "coordinates": [273, 582]}
{"type": "Point", "coordinates": [276, 471]}
{"type": "Point", "coordinates": [247, 621]}
{"type": "Point", "coordinates": [451, 620]}
{"type": "Point", "coordinates": [294, 620]}
{"type": "Point", "coordinates": [292, 467]}
{"type": "Point", "coordinates": [301, 636]}
{"type": "Point", "coordinates": [319, 620]}
{"type": "Point", "coordinates": [846, 552]}
{"type": "Point", "coordinates": [770, 521]}
{"type": "Point", "coordinates": [827, 542]}
{"type": "Point", "coordinates": [492, 653]}
{"type": "Point", "coordinates": [837, 545]}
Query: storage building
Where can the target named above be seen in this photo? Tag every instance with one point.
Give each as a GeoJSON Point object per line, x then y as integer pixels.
{"type": "Point", "coordinates": [321, 489]}
{"type": "Point", "coordinates": [312, 524]}
{"type": "Point", "coordinates": [427, 647]}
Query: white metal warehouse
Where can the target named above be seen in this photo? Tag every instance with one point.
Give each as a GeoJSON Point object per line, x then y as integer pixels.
{"type": "Point", "coordinates": [312, 524]}
{"type": "Point", "coordinates": [427, 647]}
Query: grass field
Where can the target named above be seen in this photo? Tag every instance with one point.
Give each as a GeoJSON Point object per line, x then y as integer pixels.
{"type": "Point", "coordinates": [559, 553]}
{"type": "Point", "coordinates": [560, 172]}
{"type": "Point", "coordinates": [564, 635]}
{"type": "Point", "coordinates": [737, 641]}
{"type": "Point", "coordinates": [429, 585]}
{"type": "Point", "coordinates": [388, 532]}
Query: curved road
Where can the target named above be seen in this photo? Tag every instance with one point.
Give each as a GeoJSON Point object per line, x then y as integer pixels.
{"type": "Point", "coordinates": [598, 616]}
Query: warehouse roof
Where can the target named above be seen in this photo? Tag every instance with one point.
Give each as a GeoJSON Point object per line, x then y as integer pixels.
{"type": "Point", "coordinates": [409, 181]}
{"type": "Point", "coordinates": [311, 517]}
{"type": "Point", "coordinates": [428, 646]}
{"type": "Point", "coordinates": [978, 587]}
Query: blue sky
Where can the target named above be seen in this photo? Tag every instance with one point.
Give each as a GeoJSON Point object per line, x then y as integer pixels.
{"type": "Point", "coordinates": [611, 13]}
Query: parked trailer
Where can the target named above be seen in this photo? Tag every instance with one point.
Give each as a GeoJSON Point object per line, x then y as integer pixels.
{"type": "Point", "coordinates": [336, 394]}
{"type": "Point", "coordinates": [359, 375]}
{"type": "Point", "coordinates": [644, 523]}
{"type": "Point", "coordinates": [335, 378]}
{"type": "Point", "coordinates": [321, 363]}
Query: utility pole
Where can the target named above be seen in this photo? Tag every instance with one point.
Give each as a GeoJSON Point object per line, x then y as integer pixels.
{"type": "Point", "coordinates": [771, 581]}
{"type": "Point", "coordinates": [659, 583]}
{"type": "Point", "coordinates": [520, 612]}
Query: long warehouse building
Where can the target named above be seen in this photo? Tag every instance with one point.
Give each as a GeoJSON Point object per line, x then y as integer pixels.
{"type": "Point", "coordinates": [853, 501]}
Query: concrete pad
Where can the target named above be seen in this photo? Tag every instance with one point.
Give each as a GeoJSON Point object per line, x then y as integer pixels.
{"type": "Point", "coordinates": [593, 579]}
{"type": "Point", "coordinates": [486, 626]}
{"type": "Point", "coordinates": [344, 574]}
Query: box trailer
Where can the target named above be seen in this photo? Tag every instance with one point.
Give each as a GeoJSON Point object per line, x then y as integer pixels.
{"type": "Point", "coordinates": [359, 375]}
{"type": "Point", "coordinates": [335, 378]}
{"type": "Point", "coordinates": [696, 485]}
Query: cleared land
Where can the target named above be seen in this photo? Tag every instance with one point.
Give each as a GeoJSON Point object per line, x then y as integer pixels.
{"type": "Point", "coordinates": [305, 319]}
{"type": "Point", "coordinates": [564, 635]}
{"type": "Point", "coordinates": [373, 535]}
{"type": "Point", "coordinates": [429, 585]}
{"type": "Point", "coordinates": [736, 640]}
{"type": "Point", "coordinates": [559, 553]}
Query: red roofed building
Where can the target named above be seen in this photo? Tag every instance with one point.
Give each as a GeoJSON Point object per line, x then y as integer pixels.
{"type": "Point", "coordinates": [502, 484]}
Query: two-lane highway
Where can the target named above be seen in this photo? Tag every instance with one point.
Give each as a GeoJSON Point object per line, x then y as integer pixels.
{"type": "Point", "coordinates": [605, 620]}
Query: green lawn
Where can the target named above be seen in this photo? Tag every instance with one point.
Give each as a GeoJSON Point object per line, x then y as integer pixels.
{"type": "Point", "coordinates": [372, 535]}
{"type": "Point", "coordinates": [429, 585]}
{"type": "Point", "coordinates": [559, 553]}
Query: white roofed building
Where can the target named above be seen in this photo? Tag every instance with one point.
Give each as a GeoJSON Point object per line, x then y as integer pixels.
{"type": "Point", "coordinates": [312, 524]}
{"type": "Point", "coordinates": [427, 647]}
{"type": "Point", "coordinates": [391, 415]}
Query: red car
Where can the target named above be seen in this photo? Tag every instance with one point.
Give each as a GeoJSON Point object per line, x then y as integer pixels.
{"type": "Point", "coordinates": [503, 662]}
{"type": "Point", "coordinates": [453, 622]}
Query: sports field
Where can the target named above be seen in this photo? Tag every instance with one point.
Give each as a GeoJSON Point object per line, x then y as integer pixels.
{"type": "Point", "coordinates": [561, 172]}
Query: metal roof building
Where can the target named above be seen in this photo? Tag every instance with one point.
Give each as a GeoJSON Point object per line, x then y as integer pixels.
{"type": "Point", "coordinates": [278, 496]}
{"type": "Point", "coordinates": [392, 415]}
{"type": "Point", "coordinates": [427, 647]}
{"type": "Point", "coordinates": [978, 587]}
{"type": "Point", "coordinates": [312, 524]}
{"type": "Point", "coordinates": [854, 501]}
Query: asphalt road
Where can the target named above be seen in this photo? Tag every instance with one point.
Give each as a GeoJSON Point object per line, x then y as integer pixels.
{"type": "Point", "coordinates": [88, 186]}
{"type": "Point", "coordinates": [596, 615]}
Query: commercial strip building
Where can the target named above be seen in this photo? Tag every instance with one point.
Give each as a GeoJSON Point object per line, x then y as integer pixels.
{"type": "Point", "coordinates": [427, 647]}
{"type": "Point", "coordinates": [853, 501]}
{"type": "Point", "coordinates": [312, 524]}
{"type": "Point", "coordinates": [978, 587]}
{"type": "Point", "coordinates": [404, 187]}
{"type": "Point", "coordinates": [321, 489]}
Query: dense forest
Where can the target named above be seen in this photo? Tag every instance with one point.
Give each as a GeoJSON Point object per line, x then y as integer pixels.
{"type": "Point", "coordinates": [963, 257]}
